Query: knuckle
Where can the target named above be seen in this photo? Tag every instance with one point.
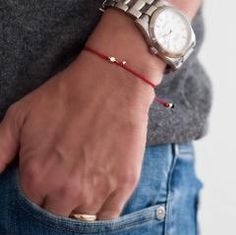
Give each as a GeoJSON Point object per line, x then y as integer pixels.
{"type": "Point", "coordinates": [12, 110]}
{"type": "Point", "coordinates": [29, 189]}
{"type": "Point", "coordinates": [104, 184]}
{"type": "Point", "coordinates": [14, 114]}
{"type": "Point", "coordinates": [30, 177]}
{"type": "Point", "coordinates": [110, 213]}
{"type": "Point", "coordinates": [129, 179]}
{"type": "Point", "coordinates": [70, 190]}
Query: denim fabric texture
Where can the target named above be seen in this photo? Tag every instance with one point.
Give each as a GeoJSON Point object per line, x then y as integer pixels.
{"type": "Point", "coordinates": [164, 203]}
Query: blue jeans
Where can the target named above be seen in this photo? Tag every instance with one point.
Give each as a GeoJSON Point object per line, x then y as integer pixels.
{"type": "Point", "coordinates": [164, 202]}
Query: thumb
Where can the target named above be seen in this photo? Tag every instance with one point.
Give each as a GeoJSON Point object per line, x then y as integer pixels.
{"type": "Point", "coordinates": [9, 137]}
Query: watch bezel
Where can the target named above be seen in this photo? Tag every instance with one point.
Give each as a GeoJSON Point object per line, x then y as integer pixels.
{"type": "Point", "coordinates": [154, 40]}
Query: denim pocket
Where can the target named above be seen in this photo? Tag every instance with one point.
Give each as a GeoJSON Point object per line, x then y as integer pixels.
{"type": "Point", "coordinates": [140, 220]}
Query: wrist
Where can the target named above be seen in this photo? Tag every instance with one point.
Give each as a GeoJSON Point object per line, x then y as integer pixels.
{"type": "Point", "coordinates": [89, 77]}
{"type": "Point", "coordinates": [117, 35]}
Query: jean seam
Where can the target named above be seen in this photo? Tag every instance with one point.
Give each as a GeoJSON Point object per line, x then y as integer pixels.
{"type": "Point", "coordinates": [169, 192]}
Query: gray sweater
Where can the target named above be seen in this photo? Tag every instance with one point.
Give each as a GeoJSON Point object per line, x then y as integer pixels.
{"type": "Point", "coordinates": [38, 38]}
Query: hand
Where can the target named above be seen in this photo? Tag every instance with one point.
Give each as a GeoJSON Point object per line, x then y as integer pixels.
{"type": "Point", "coordinates": [81, 135]}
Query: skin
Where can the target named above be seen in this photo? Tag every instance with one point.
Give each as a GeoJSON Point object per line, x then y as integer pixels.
{"type": "Point", "coordinates": [64, 167]}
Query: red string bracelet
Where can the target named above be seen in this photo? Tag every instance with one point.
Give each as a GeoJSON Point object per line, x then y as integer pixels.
{"type": "Point", "coordinates": [123, 64]}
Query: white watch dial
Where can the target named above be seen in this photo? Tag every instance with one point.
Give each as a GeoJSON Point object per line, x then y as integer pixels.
{"type": "Point", "coordinates": [172, 31]}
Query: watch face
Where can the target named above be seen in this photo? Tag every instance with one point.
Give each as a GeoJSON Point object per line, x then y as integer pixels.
{"type": "Point", "coordinates": [171, 31]}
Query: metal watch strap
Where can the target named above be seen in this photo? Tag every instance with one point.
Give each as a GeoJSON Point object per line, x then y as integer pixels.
{"type": "Point", "coordinates": [142, 11]}
{"type": "Point", "coordinates": [135, 8]}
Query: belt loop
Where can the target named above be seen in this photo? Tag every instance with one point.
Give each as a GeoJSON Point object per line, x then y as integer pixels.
{"type": "Point", "coordinates": [176, 149]}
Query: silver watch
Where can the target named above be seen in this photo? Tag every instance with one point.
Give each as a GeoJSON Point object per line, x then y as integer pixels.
{"type": "Point", "coordinates": [167, 30]}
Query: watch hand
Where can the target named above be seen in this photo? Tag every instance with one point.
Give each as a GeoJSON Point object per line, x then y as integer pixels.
{"type": "Point", "coordinates": [169, 40]}
{"type": "Point", "coordinates": [167, 34]}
